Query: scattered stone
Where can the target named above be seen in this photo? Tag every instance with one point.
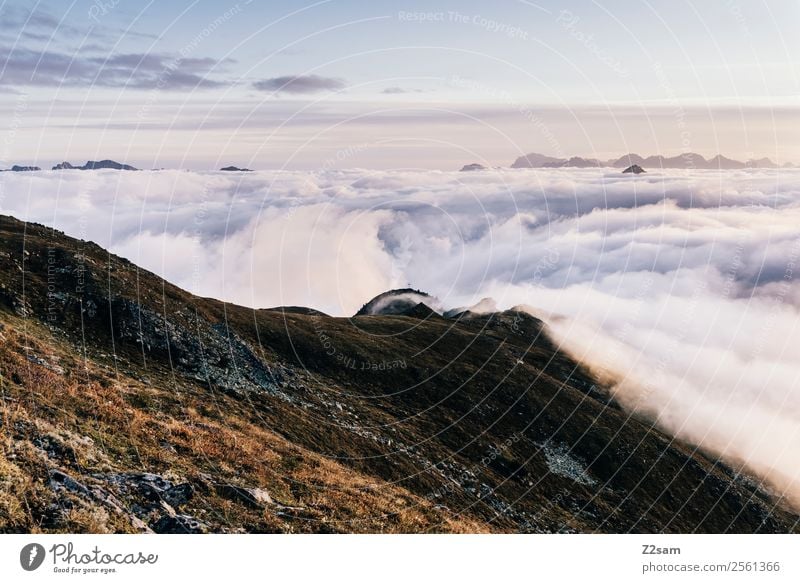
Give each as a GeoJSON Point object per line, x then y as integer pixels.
{"type": "Point", "coordinates": [562, 463]}
{"type": "Point", "coordinates": [46, 364]}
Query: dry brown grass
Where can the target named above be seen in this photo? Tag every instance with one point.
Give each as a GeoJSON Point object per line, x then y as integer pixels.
{"type": "Point", "coordinates": [100, 422]}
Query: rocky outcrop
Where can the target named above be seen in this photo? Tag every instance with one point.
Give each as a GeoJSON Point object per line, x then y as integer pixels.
{"type": "Point", "coordinates": [473, 167]}
{"type": "Point", "coordinates": [234, 169]}
{"type": "Point", "coordinates": [634, 169]}
{"type": "Point", "coordinates": [148, 502]}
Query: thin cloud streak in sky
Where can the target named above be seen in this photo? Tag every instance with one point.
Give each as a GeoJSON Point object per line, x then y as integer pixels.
{"type": "Point", "coordinates": [23, 67]}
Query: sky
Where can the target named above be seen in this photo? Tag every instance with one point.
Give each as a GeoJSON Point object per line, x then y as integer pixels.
{"type": "Point", "coordinates": [379, 85]}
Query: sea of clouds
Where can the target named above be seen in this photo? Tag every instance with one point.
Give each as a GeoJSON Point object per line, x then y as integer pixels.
{"type": "Point", "coordinates": [681, 287]}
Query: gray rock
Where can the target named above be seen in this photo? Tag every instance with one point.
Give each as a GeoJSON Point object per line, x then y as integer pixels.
{"type": "Point", "coordinates": [59, 480]}
{"type": "Point", "coordinates": [179, 524]}
{"type": "Point", "coordinates": [146, 485]}
{"type": "Point", "coordinates": [178, 495]}
{"type": "Point", "coordinates": [253, 497]}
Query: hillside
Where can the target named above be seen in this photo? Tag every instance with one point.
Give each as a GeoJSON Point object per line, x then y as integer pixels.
{"type": "Point", "coordinates": [129, 405]}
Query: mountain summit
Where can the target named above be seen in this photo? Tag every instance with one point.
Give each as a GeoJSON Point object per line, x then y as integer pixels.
{"type": "Point", "coordinates": [397, 302]}
{"type": "Point", "coordinates": [95, 165]}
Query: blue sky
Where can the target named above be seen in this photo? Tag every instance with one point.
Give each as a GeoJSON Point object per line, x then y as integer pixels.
{"type": "Point", "coordinates": [405, 84]}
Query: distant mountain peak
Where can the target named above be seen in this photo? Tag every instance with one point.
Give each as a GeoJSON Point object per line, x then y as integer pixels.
{"type": "Point", "coordinates": [634, 169]}
{"type": "Point", "coordinates": [95, 165]}
{"type": "Point", "coordinates": [473, 167]}
{"type": "Point", "coordinates": [685, 160]}
{"type": "Point", "coordinates": [106, 164]}
{"type": "Point", "coordinates": [535, 160]}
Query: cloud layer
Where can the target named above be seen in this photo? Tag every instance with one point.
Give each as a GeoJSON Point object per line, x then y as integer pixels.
{"type": "Point", "coordinates": [680, 287]}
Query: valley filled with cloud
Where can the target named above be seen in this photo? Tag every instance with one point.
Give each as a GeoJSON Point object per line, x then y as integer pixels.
{"type": "Point", "coordinates": [679, 286]}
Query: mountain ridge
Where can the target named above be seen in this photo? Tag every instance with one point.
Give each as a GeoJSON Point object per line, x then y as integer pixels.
{"type": "Point", "coordinates": [687, 160]}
